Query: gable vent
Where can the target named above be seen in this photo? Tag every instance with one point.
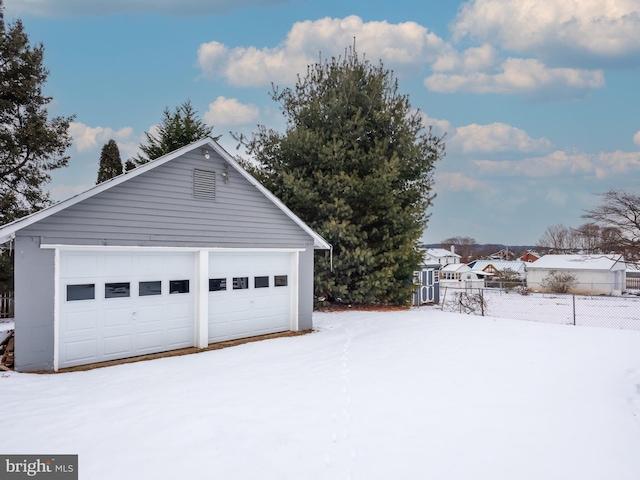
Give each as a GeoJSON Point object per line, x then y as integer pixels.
{"type": "Point", "coordinates": [204, 184]}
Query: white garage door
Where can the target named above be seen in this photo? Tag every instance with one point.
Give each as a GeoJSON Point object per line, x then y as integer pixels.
{"type": "Point", "coordinates": [249, 294]}
{"type": "Point", "coordinates": [122, 304]}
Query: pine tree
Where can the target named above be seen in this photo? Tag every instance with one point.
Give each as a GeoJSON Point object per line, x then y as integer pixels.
{"type": "Point", "coordinates": [357, 165]}
{"type": "Point", "coordinates": [110, 162]}
{"type": "Point", "coordinates": [177, 129]}
{"type": "Point", "coordinates": [129, 165]}
{"type": "Point", "coordinates": [31, 144]}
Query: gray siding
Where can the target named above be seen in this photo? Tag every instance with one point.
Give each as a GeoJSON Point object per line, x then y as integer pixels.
{"type": "Point", "coordinates": [158, 208]}
{"type": "Point", "coordinates": [34, 304]}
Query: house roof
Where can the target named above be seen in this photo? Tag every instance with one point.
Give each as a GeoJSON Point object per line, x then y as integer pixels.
{"type": "Point", "coordinates": [501, 265]}
{"type": "Point", "coordinates": [7, 232]}
{"type": "Point", "coordinates": [454, 267]}
{"type": "Point", "coordinates": [440, 253]}
{"type": "Point", "coordinates": [578, 262]}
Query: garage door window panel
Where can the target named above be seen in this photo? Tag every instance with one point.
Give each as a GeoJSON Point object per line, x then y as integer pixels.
{"type": "Point", "coordinates": [240, 283]}
{"type": "Point", "coordinates": [261, 282]}
{"type": "Point", "coordinates": [280, 280]}
{"type": "Point", "coordinates": [85, 291]}
{"type": "Point", "coordinates": [217, 284]}
{"type": "Point", "coordinates": [117, 290]}
{"type": "Point", "coordinates": [146, 289]}
{"type": "Point", "coordinates": [178, 286]}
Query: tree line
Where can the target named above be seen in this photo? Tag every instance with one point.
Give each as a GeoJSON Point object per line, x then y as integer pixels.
{"type": "Point", "coordinates": [614, 227]}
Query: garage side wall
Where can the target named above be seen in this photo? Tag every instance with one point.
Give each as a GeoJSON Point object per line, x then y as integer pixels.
{"type": "Point", "coordinates": [34, 305]}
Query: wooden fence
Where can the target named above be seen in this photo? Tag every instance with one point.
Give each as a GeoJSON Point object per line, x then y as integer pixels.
{"type": "Point", "coordinates": [6, 305]}
{"type": "Point", "coordinates": [633, 283]}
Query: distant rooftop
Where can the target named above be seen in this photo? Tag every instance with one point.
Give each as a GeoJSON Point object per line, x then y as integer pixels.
{"type": "Point", "coordinates": [578, 262]}
{"type": "Point", "coordinates": [440, 253]}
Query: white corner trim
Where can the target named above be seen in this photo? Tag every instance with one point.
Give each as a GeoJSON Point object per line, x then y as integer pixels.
{"type": "Point", "coordinates": [201, 327]}
{"type": "Point", "coordinates": [56, 309]}
{"type": "Point", "coordinates": [294, 324]}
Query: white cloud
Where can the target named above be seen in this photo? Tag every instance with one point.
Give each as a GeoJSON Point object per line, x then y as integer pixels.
{"type": "Point", "coordinates": [558, 163]}
{"type": "Point", "coordinates": [229, 111]}
{"type": "Point", "coordinates": [636, 138]}
{"type": "Point", "coordinates": [519, 76]}
{"type": "Point", "coordinates": [439, 127]}
{"type": "Point", "coordinates": [50, 8]}
{"type": "Point", "coordinates": [497, 137]}
{"type": "Point", "coordinates": [471, 60]}
{"type": "Point", "coordinates": [406, 48]}
{"type": "Point", "coordinates": [403, 47]}
{"type": "Point", "coordinates": [455, 181]}
{"type": "Point", "coordinates": [576, 31]}
{"type": "Point", "coordinates": [85, 137]}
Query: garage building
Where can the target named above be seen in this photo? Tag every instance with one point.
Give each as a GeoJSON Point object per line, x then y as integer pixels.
{"type": "Point", "coordinates": [186, 250]}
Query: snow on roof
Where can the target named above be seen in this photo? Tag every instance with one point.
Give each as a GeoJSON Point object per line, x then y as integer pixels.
{"type": "Point", "coordinates": [454, 267]}
{"type": "Point", "coordinates": [501, 265]}
{"type": "Point", "coordinates": [579, 262]}
{"type": "Point", "coordinates": [440, 252]}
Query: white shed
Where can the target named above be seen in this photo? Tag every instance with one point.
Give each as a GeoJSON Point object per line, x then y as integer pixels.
{"type": "Point", "coordinates": [594, 274]}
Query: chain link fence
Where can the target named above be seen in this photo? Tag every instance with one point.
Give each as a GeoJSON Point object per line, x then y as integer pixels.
{"type": "Point", "coordinates": [621, 312]}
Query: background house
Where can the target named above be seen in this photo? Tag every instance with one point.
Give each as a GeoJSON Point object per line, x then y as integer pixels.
{"type": "Point", "coordinates": [184, 251]}
{"type": "Point", "coordinates": [530, 256]}
{"type": "Point", "coordinates": [440, 256]}
{"type": "Point", "coordinates": [495, 267]}
{"type": "Point", "coordinates": [503, 254]}
{"type": "Point", "coordinates": [594, 274]}
{"type": "Point", "coordinates": [459, 275]}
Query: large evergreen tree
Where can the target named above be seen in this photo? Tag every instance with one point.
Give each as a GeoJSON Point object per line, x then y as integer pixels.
{"type": "Point", "coordinates": [31, 144]}
{"type": "Point", "coordinates": [356, 164]}
{"type": "Point", "coordinates": [177, 129]}
{"type": "Point", "coordinates": [110, 162]}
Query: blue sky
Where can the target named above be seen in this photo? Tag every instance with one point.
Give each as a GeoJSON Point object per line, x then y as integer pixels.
{"type": "Point", "coordinates": [539, 99]}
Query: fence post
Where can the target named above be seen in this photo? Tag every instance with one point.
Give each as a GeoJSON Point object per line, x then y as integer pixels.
{"type": "Point", "coordinates": [574, 310]}
{"type": "Point", "coordinates": [444, 296]}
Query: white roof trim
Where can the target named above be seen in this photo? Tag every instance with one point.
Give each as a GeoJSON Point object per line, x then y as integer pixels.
{"type": "Point", "coordinates": [7, 232]}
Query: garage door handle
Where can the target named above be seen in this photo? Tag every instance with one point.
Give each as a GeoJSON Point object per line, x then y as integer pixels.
{"type": "Point", "coordinates": [135, 316]}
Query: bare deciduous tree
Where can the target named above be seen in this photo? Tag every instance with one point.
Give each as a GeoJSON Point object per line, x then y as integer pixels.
{"type": "Point", "coordinates": [464, 246]}
{"type": "Point", "coordinates": [620, 213]}
{"type": "Point", "coordinates": [557, 238]}
{"type": "Point", "coordinates": [589, 237]}
{"type": "Point", "coordinates": [469, 303]}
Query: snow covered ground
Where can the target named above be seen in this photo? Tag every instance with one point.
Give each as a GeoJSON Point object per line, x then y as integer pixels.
{"type": "Point", "coordinates": [417, 394]}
